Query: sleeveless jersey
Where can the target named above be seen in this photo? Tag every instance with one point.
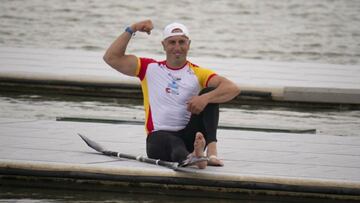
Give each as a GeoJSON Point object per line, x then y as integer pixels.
{"type": "Point", "coordinates": [166, 92]}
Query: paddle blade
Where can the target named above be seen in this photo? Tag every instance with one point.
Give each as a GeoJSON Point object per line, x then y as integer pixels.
{"type": "Point", "coordinates": [92, 144]}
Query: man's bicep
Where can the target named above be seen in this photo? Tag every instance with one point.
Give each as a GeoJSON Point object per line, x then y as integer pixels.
{"type": "Point", "coordinates": [214, 81]}
{"type": "Point", "coordinates": [127, 64]}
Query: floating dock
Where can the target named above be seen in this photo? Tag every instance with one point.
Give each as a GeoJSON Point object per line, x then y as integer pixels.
{"type": "Point", "coordinates": [50, 154]}
{"type": "Point", "coordinates": [79, 72]}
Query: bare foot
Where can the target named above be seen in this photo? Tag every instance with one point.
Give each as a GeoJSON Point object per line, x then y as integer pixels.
{"type": "Point", "coordinates": [212, 154]}
{"type": "Point", "coordinates": [214, 161]}
{"type": "Point", "coordinates": [199, 145]}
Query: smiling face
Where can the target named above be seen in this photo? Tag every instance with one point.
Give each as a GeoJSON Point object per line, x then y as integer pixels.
{"type": "Point", "coordinates": [176, 48]}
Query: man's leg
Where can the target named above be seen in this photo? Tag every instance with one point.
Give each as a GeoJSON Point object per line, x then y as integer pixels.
{"type": "Point", "coordinates": [206, 123]}
{"type": "Point", "coordinates": [166, 146]}
{"type": "Point", "coordinates": [169, 146]}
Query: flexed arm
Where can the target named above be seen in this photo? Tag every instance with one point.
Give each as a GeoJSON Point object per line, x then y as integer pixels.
{"type": "Point", "coordinates": [115, 55]}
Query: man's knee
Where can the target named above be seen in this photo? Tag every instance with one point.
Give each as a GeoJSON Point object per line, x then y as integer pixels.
{"type": "Point", "coordinates": [206, 90]}
{"type": "Point", "coordinates": [211, 105]}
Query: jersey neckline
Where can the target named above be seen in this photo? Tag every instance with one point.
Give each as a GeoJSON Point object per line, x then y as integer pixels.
{"type": "Point", "coordinates": [171, 68]}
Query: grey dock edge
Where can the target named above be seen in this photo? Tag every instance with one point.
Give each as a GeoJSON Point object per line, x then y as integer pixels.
{"type": "Point", "coordinates": [133, 91]}
{"type": "Point", "coordinates": [193, 184]}
{"type": "Point", "coordinates": [221, 126]}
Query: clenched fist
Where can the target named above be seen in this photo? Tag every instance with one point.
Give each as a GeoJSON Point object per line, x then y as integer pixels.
{"type": "Point", "coordinates": [143, 26]}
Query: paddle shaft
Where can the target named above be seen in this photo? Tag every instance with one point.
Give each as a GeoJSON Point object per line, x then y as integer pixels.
{"type": "Point", "coordinates": [94, 145]}
{"type": "Point", "coordinates": [172, 165]}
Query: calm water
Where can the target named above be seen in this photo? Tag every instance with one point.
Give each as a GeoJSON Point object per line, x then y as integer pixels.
{"type": "Point", "coordinates": [324, 31]}
{"type": "Point", "coordinates": [328, 122]}
{"type": "Point", "coordinates": [26, 195]}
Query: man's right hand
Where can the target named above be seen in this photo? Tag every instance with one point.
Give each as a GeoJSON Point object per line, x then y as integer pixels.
{"type": "Point", "coordinates": [143, 26]}
{"type": "Point", "coordinates": [115, 55]}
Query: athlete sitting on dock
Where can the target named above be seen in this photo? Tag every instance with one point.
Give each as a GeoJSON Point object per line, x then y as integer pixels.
{"type": "Point", "coordinates": [180, 98]}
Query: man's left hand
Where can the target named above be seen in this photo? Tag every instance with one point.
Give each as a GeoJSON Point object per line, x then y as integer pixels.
{"type": "Point", "coordinates": [197, 104]}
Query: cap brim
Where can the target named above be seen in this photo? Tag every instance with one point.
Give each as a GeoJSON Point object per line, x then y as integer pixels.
{"type": "Point", "coordinates": [175, 34]}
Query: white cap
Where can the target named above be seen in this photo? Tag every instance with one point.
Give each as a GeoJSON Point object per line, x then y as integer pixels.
{"type": "Point", "coordinates": [175, 29]}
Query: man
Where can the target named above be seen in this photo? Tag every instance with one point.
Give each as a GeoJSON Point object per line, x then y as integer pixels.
{"type": "Point", "coordinates": [180, 122]}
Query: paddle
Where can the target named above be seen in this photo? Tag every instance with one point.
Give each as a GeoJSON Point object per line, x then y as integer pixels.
{"type": "Point", "coordinates": [172, 165]}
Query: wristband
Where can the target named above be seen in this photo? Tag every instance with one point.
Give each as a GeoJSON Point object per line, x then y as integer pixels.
{"type": "Point", "coordinates": [129, 30]}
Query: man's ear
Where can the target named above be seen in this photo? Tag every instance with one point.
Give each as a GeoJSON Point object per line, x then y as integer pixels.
{"type": "Point", "coordinates": [163, 44]}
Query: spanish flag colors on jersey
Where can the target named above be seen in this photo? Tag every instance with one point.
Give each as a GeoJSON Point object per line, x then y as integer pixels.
{"type": "Point", "coordinates": [166, 92]}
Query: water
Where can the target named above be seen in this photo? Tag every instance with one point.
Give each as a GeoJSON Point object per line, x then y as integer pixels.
{"type": "Point", "coordinates": [34, 195]}
{"type": "Point", "coordinates": [327, 122]}
{"type": "Point", "coordinates": [321, 31]}
{"type": "Point", "coordinates": [26, 195]}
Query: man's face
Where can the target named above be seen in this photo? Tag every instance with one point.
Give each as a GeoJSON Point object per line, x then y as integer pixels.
{"type": "Point", "coordinates": [176, 47]}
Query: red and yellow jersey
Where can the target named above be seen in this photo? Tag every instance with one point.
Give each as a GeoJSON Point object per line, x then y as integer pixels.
{"type": "Point", "coordinates": [166, 92]}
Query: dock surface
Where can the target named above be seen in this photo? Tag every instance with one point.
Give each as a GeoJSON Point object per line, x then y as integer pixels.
{"type": "Point", "coordinates": [305, 165]}
{"type": "Point", "coordinates": [87, 73]}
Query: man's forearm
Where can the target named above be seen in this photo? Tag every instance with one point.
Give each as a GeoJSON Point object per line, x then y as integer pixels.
{"type": "Point", "coordinates": [118, 47]}
{"type": "Point", "coordinates": [115, 55]}
{"type": "Point", "coordinates": [225, 92]}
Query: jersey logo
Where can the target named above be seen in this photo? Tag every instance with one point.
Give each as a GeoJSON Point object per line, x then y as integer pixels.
{"type": "Point", "coordinates": [173, 86]}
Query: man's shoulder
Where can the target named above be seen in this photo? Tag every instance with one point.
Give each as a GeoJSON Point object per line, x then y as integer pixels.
{"type": "Point", "coordinates": [145, 61]}
{"type": "Point", "coordinates": [193, 65]}
{"type": "Point", "coordinates": [197, 67]}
